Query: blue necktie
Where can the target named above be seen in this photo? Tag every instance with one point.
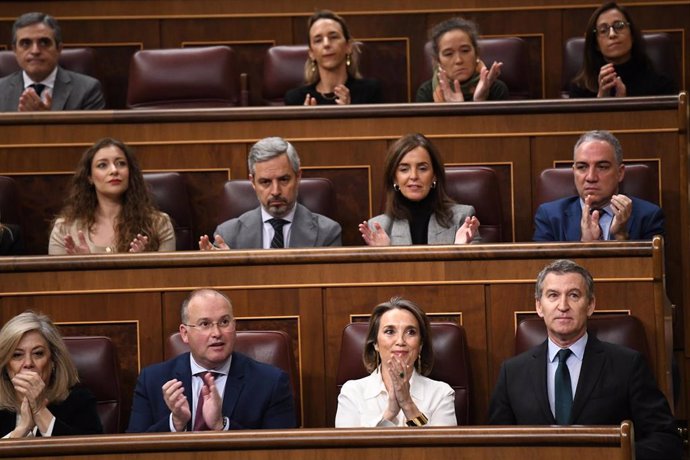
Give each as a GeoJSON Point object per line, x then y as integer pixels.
{"type": "Point", "coordinates": [564, 390]}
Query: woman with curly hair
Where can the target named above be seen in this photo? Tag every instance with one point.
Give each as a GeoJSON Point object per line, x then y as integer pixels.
{"type": "Point", "coordinates": [109, 208]}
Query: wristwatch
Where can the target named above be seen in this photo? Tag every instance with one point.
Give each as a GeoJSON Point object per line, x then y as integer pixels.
{"type": "Point", "coordinates": [420, 420]}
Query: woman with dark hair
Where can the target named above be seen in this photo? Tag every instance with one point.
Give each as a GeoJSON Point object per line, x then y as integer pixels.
{"type": "Point", "coordinates": [615, 62]}
{"type": "Point", "coordinates": [39, 391]}
{"type": "Point", "coordinates": [398, 356]}
{"type": "Point", "coordinates": [331, 73]}
{"type": "Point", "coordinates": [459, 74]}
{"type": "Point", "coordinates": [418, 209]}
{"type": "Point", "coordinates": [109, 208]}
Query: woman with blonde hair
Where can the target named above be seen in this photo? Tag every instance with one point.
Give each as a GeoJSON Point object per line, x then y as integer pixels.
{"type": "Point", "coordinates": [331, 73]}
{"type": "Point", "coordinates": [39, 391]}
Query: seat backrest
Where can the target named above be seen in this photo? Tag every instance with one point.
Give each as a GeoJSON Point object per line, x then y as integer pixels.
{"type": "Point", "coordinates": [269, 347]}
{"type": "Point", "coordinates": [96, 361]}
{"type": "Point", "coordinates": [9, 202]}
{"type": "Point", "coordinates": [624, 330]}
{"type": "Point", "coordinates": [478, 186]}
{"type": "Point", "coordinates": [283, 70]}
{"type": "Point", "coordinates": [315, 193]}
{"type": "Point", "coordinates": [196, 77]}
{"type": "Point", "coordinates": [82, 60]}
{"type": "Point", "coordinates": [169, 193]}
{"type": "Point", "coordinates": [639, 181]}
{"type": "Point", "coordinates": [451, 361]}
{"type": "Point", "coordinates": [658, 45]}
{"type": "Point", "coordinates": [512, 51]}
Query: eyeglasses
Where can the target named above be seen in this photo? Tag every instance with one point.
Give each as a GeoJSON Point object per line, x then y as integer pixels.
{"type": "Point", "coordinates": [617, 26]}
{"type": "Point", "coordinates": [205, 325]}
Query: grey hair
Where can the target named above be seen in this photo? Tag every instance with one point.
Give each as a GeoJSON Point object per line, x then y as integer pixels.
{"type": "Point", "coordinates": [269, 148]}
{"type": "Point", "coordinates": [29, 19]}
{"type": "Point", "coordinates": [561, 267]}
{"type": "Point", "coordinates": [603, 136]}
{"type": "Point", "coordinates": [184, 309]}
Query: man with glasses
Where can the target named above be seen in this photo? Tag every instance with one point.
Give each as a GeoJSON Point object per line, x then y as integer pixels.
{"type": "Point", "coordinates": [42, 84]}
{"type": "Point", "coordinates": [212, 387]}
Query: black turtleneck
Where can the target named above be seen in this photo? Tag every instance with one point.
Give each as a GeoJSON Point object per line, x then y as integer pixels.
{"type": "Point", "coordinates": [420, 212]}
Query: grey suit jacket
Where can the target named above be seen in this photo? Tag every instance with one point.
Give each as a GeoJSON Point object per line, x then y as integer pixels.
{"type": "Point", "coordinates": [72, 91]}
{"type": "Point", "coordinates": [308, 230]}
{"type": "Point", "coordinates": [398, 230]}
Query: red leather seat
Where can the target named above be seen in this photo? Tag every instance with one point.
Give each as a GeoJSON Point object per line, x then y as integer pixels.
{"type": "Point", "coordinates": [639, 181]}
{"type": "Point", "coordinates": [451, 361]}
{"type": "Point", "coordinates": [283, 70]}
{"type": "Point", "coordinates": [82, 60]}
{"type": "Point", "coordinates": [315, 193]}
{"type": "Point", "coordinates": [183, 78]}
{"type": "Point", "coordinates": [478, 186]}
{"type": "Point", "coordinates": [270, 347]}
{"type": "Point", "coordinates": [96, 361]}
{"type": "Point", "coordinates": [169, 192]}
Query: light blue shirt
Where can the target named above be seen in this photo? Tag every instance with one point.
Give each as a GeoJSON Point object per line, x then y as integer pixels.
{"type": "Point", "coordinates": [574, 363]}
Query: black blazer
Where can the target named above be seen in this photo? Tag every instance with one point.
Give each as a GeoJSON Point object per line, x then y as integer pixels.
{"type": "Point", "coordinates": [615, 384]}
{"type": "Point", "coordinates": [76, 415]}
{"type": "Point", "coordinates": [11, 242]}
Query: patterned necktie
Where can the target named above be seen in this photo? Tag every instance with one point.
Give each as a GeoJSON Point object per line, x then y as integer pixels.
{"type": "Point", "coordinates": [277, 225]}
{"type": "Point", "coordinates": [564, 390]}
{"type": "Point", "coordinates": [38, 87]}
{"type": "Point", "coordinates": [199, 423]}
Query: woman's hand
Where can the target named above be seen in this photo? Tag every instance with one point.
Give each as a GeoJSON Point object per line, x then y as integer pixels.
{"type": "Point", "coordinates": [26, 424]}
{"type": "Point", "coordinates": [399, 374]}
{"type": "Point", "coordinates": [28, 384]}
{"type": "Point", "coordinates": [309, 100]}
{"type": "Point", "coordinates": [609, 80]}
{"type": "Point", "coordinates": [467, 231]}
{"type": "Point", "coordinates": [443, 92]}
{"type": "Point", "coordinates": [487, 77]}
{"type": "Point", "coordinates": [342, 95]}
{"type": "Point", "coordinates": [139, 243]}
{"type": "Point", "coordinates": [73, 248]}
{"type": "Point", "coordinates": [376, 237]}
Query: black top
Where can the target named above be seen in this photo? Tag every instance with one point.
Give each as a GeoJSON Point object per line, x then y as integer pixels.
{"type": "Point", "coordinates": [639, 80]}
{"type": "Point", "coordinates": [497, 92]}
{"type": "Point", "coordinates": [362, 91]}
{"type": "Point", "coordinates": [420, 212]}
{"type": "Point", "coordinates": [11, 242]}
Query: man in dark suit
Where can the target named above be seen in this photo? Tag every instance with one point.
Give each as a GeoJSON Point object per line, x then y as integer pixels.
{"type": "Point", "coordinates": [575, 379]}
{"type": "Point", "coordinates": [213, 387]}
{"type": "Point", "coordinates": [42, 84]}
{"type": "Point", "coordinates": [598, 212]}
{"type": "Point", "coordinates": [279, 222]}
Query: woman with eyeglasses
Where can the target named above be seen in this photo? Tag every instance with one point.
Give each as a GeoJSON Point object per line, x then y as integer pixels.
{"type": "Point", "coordinates": [615, 63]}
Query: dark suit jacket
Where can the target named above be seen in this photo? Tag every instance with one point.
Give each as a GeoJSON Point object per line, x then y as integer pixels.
{"type": "Point", "coordinates": [308, 230]}
{"type": "Point", "coordinates": [72, 91]}
{"type": "Point", "coordinates": [11, 242]}
{"type": "Point", "coordinates": [75, 415]}
{"type": "Point", "coordinates": [559, 220]}
{"type": "Point", "coordinates": [256, 395]}
{"type": "Point", "coordinates": [615, 384]}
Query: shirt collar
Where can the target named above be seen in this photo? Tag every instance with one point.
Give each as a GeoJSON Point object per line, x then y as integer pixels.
{"type": "Point", "coordinates": [577, 348]}
{"type": "Point", "coordinates": [223, 370]}
{"type": "Point", "coordinates": [49, 81]}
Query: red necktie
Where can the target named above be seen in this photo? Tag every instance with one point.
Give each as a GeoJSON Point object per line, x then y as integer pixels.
{"type": "Point", "coordinates": [199, 423]}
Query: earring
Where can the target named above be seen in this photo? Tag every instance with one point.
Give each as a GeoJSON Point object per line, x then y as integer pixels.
{"type": "Point", "coordinates": [348, 60]}
{"type": "Point", "coordinates": [433, 184]}
{"type": "Point", "coordinates": [396, 187]}
{"type": "Point", "coordinates": [313, 65]}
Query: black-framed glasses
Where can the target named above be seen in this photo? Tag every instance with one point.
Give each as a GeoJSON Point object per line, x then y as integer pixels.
{"type": "Point", "coordinates": [206, 325]}
{"type": "Point", "coordinates": [617, 26]}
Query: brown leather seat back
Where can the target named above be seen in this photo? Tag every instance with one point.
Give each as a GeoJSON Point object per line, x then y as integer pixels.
{"type": "Point", "coordinates": [478, 186]}
{"type": "Point", "coordinates": [269, 347]}
{"type": "Point", "coordinates": [639, 181]}
{"type": "Point", "coordinates": [623, 330]}
{"type": "Point", "coordinates": [198, 77]}
{"type": "Point", "coordinates": [451, 361]}
{"type": "Point", "coordinates": [169, 192]}
{"type": "Point", "coordinates": [315, 193]}
{"type": "Point", "coordinates": [96, 360]}
{"type": "Point", "coordinates": [283, 70]}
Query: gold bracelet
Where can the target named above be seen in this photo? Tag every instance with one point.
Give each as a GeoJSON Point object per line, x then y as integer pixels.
{"type": "Point", "coordinates": [420, 420]}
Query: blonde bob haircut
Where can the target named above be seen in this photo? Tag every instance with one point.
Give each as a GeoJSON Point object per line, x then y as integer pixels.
{"type": "Point", "coordinates": [64, 374]}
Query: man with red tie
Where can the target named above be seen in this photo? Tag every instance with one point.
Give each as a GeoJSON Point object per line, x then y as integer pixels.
{"type": "Point", "coordinates": [212, 387]}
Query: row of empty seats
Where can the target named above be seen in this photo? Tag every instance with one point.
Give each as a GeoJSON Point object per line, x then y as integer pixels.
{"type": "Point", "coordinates": [203, 77]}
{"type": "Point", "coordinates": [96, 357]}
{"type": "Point", "coordinates": [476, 186]}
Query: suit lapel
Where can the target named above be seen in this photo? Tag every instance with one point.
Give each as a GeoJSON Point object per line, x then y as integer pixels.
{"type": "Point", "coordinates": [303, 231]}
{"type": "Point", "coordinates": [538, 382]}
{"type": "Point", "coordinates": [183, 373]}
{"type": "Point", "coordinates": [400, 232]}
{"type": "Point", "coordinates": [233, 384]}
{"type": "Point", "coordinates": [438, 234]}
{"type": "Point", "coordinates": [590, 373]}
{"type": "Point", "coordinates": [251, 231]}
{"type": "Point", "coordinates": [62, 89]}
{"type": "Point", "coordinates": [573, 216]}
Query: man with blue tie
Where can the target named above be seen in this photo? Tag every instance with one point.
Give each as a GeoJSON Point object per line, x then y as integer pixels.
{"type": "Point", "coordinates": [575, 379]}
{"type": "Point", "coordinates": [598, 212]}
{"type": "Point", "coordinates": [212, 387]}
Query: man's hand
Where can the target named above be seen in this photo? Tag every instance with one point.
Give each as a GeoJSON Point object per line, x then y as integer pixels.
{"type": "Point", "coordinates": [218, 244]}
{"type": "Point", "coordinates": [589, 225]}
{"type": "Point", "coordinates": [622, 210]}
{"type": "Point", "coordinates": [29, 101]}
{"type": "Point", "coordinates": [173, 395]}
{"type": "Point", "coordinates": [213, 404]}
